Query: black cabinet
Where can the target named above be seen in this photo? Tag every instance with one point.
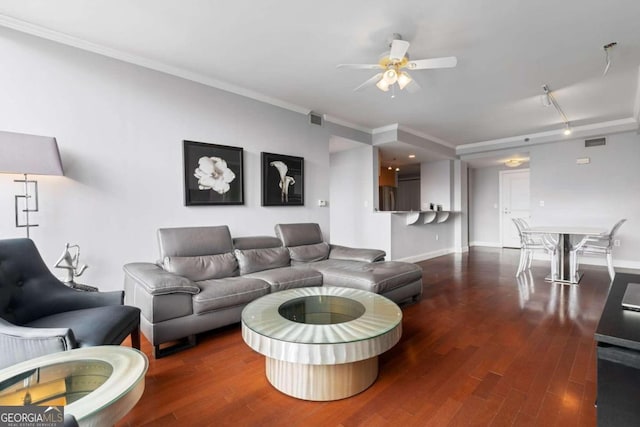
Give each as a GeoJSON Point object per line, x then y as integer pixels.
{"type": "Point", "coordinates": [618, 352]}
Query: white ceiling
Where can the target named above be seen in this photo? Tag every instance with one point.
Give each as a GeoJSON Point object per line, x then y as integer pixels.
{"type": "Point", "coordinates": [286, 52]}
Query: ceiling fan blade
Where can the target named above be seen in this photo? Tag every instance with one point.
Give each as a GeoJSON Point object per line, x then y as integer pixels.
{"type": "Point", "coordinates": [423, 64]}
{"type": "Point", "coordinates": [360, 66]}
{"type": "Point", "coordinates": [373, 80]}
{"type": "Point", "coordinates": [398, 49]}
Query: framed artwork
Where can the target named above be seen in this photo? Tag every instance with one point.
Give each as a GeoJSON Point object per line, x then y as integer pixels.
{"type": "Point", "coordinates": [282, 180]}
{"type": "Point", "coordinates": [212, 174]}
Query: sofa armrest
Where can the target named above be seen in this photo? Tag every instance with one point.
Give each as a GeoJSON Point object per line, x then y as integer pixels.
{"type": "Point", "coordinates": [356, 254]}
{"type": "Point", "coordinates": [157, 281]}
{"type": "Point", "coordinates": [21, 343]}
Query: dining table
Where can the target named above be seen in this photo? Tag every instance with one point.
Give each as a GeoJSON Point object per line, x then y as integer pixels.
{"type": "Point", "coordinates": [567, 238]}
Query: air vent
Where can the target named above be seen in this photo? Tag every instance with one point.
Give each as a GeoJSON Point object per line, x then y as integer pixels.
{"type": "Point", "coordinates": [594, 142]}
{"type": "Point", "coordinates": [315, 119]}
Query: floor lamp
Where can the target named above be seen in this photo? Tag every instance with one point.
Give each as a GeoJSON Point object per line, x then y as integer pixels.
{"type": "Point", "coordinates": [28, 155]}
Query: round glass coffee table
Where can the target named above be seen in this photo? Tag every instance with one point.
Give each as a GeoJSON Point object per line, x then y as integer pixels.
{"type": "Point", "coordinates": [321, 343]}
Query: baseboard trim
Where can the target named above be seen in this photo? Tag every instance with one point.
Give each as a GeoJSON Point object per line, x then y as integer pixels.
{"type": "Point", "coordinates": [427, 255]}
{"type": "Point", "coordinates": [488, 244]}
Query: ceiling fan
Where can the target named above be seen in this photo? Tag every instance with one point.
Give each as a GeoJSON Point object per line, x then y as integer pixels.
{"type": "Point", "coordinates": [394, 63]}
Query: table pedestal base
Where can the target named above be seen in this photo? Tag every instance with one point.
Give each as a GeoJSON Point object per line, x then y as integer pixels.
{"type": "Point", "coordinates": [322, 382]}
{"type": "Point", "coordinates": [573, 281]}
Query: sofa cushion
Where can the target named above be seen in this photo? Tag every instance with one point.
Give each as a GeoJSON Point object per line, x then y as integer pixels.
{"type": "Point", "coordinates": [203, 267]}
{"type": "Point", "coordinates": [94, 326]}
{"type": "Point", "coordinates": [378, 277]}
{"type": "Point", "coordinates": [252, 260]}
{"type": "Point", "coordinates": [356, 254]}
{"type": "Point", "coordinates": [309, 253]}
{"type": "Point", "coordinates": [256, 242]}
{"type": "Point", "coordinates": [194, 241]}
{"type": "Point", "coordinates": [217, 294]}
{"type": "Point", "coordinates": [299, 234]}
{"type": "Point", "coordinates": [289, 278]}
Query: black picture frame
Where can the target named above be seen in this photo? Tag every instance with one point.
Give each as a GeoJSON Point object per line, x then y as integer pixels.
{"type": "Point", "coordinates": [273, 176]}
{"type": "Point", "coordinates": [210, 182]}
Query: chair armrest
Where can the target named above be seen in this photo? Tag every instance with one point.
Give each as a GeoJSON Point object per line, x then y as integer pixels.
{"type": "Point", "coordinates": [356, 254]}
{"type": "Point", "coordinates": [156, 281]}
{"type": "Point", "coordinates": [78, 300]}
{"type": "Point", "coordinates": [21, 343]}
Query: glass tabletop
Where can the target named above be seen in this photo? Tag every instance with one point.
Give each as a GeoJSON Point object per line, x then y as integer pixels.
{"type": "Point", "coordinates": [56, 384]}
{"type": "Point", "coordinates": [321, 310]}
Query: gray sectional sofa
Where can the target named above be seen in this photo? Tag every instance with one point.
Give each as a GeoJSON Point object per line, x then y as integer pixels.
{"type": "Point", "coordinates": [204, 277]}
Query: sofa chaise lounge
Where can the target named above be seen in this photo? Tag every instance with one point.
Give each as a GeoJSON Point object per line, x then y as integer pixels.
{"type": "Point", "coordinates": [204, 277]}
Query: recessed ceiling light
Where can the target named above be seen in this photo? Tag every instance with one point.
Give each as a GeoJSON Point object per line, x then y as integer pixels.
{"type": "Point", "coordinates": [412, 156]}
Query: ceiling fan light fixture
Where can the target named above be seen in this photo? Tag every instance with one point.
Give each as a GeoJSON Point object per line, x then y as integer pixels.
{"type": "Point", "coordinates": [390, 76]}
{"type": "Point", "coordinates": [383, 85]}
{"type": "Point", "coordinates": [404, 79]}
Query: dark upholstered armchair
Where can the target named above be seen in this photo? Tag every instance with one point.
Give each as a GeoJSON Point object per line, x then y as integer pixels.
{"type": "Point", "coordinates": [40, 315]}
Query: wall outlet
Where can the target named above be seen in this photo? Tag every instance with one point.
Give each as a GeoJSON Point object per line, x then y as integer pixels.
{"type": "Point", "coordinates": [542, 203]}
{"type": "Point", "coordinates": [616, 242]}
{"type": "Point", "coordinates": [322, 203]}
{"type": "Point", "coordinates": [437, 237]}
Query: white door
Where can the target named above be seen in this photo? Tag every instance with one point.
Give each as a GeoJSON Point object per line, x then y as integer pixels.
{"type": "Point", "coordinates": [514, 203]}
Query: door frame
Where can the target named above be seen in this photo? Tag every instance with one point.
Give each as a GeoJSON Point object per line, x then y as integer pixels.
{"type": "Point", "coordinates": [500, 207]}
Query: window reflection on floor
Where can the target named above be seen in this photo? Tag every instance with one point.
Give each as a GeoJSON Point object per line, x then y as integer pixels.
{"type": "Point", "coordinates": [563, 300]}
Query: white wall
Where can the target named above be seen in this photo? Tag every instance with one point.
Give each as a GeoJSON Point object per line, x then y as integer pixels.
{"type": "Point", "coordinates": [595, 195]}
{"type": "Point", "coordinates": [420, 241]}
{"type": "Point", "coordinates": [484, 220]}
{"type": "Point", "coordinates": [436, 184]}
{"type": "Point", "coordinates": [353, 219]}
{"type": "Point", "coordinates": [120, 129]}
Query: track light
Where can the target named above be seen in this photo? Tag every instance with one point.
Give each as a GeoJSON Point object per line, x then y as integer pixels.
{"type": "Point", "coordinates": [548, 97]}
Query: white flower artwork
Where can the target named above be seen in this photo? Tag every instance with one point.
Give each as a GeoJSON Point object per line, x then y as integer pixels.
{"type": "Point", "coordinates": [214, 174]}
{"type": "Point", "coordinates": [285, 181]}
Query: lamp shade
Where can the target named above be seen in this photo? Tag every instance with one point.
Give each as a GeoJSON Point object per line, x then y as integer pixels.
{"type": "Point", "coordinates": [29, 154]}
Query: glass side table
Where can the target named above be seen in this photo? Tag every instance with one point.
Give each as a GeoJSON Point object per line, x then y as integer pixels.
{"type": "Point", "coordinates": [97, 385]}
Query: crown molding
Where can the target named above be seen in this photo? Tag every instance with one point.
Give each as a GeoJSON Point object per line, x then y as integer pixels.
{"type": "Point", "coordinates": [55, 36]}
{"type": "Point", "coordinates": [340, 122]}
{"type": "Point", "coordinates": [426, 136]}
{"type": "Point", "coordinates": [382, 129]}
{"type": "Point", "coordinates": [614, 126]}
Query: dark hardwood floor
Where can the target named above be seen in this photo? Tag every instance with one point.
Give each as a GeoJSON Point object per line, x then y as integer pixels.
{"type": "Point", "coordinates": [480, 348]}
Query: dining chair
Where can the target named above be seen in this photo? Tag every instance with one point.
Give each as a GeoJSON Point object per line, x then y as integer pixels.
{"type": "Point", "coordinates": [533, 242]}
{"type": "Point", "coordinates": [596, 245]}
